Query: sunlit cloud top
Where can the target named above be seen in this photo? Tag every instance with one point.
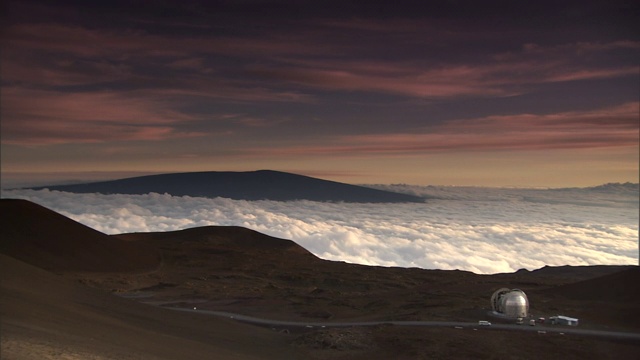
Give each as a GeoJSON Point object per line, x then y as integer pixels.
{"type": "Point", "coordinates": [484, 230]}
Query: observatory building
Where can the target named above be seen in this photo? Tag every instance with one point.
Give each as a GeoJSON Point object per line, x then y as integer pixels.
{"type": "Point", "coordinates": [510, 303]}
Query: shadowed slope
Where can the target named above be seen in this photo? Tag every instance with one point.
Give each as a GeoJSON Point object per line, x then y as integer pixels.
{"type": "Point", "coordinates": [619, 286]}
{"type": "Point", "coordinates": [227, 239]}
{"type": "Point", "coordinates": [575, 273]}
{"type": "Point", "coordinates": [44, 238]}
{"type": "Point", "coordinates": [608, 299]}
{"type": "Point", "coordinates": [239, 270]}
{"type": "Point", "coordinates": [45, 316]}
{"type": "Point", "coordinates": [254, 185]}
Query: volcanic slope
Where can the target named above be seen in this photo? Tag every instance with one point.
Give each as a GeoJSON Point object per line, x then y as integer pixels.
{"type": "Point", "coordinates": [253, 185]}
{"type": "Point", "coordinates": [44, 316]}
{"type": "Point", "coordinates": [46, 239]}
{"type": "Point", "coordinates": [610, 298]}
{"type": "Point", "coordinates": [239, 270]}
{"type": "Point", "coordinates": [47, 316]}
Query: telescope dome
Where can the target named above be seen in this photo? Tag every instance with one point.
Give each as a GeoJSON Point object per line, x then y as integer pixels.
{"type": "Point", "coordinates": [510, 303]}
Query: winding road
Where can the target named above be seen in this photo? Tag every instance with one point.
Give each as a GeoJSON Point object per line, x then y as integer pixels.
{"type": "Point", "coordinates": [540, 329]}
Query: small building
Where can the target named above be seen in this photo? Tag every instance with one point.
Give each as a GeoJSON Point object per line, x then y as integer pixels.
{"type": "Point", "coordinates": [563, 320]}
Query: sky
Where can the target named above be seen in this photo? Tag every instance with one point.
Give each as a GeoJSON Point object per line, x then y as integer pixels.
{"type": "Point", "coordinates": [491, 93]}
{"type": "Point", "coordinates": [483, 230]}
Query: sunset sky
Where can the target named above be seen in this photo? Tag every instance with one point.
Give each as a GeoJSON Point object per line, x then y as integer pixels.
{"type": "Point", "coordinates": [489, 93]}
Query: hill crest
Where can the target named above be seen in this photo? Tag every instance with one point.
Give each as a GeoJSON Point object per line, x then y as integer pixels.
{"type": "Point", "coordinates": [49, 240]}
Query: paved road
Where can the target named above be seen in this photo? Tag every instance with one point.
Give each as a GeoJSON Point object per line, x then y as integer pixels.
{"type": "Point", "coordinates": [541, 329]}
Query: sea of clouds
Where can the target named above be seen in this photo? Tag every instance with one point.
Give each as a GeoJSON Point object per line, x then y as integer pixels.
{"type": "Point", "coordinates": [484, 230]}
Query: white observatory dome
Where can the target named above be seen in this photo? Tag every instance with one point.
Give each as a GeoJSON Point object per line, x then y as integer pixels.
{"type": "Point", "coordinates": [510, 303]}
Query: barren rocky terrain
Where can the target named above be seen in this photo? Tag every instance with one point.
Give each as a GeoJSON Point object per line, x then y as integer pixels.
{"type": "Point", "coordinates": [62, 299]}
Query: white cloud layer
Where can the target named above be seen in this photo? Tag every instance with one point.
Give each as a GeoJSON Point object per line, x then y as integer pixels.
{"type": "Point", "coordinates": [484, 230]}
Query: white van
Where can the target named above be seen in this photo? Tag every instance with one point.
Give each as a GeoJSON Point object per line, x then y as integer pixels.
{"type": "Point", "coordinates": [484, 323]}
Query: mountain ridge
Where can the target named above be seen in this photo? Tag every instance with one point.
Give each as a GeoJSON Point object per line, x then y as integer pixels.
{"type": "Point", "coordinates": [250, 185]}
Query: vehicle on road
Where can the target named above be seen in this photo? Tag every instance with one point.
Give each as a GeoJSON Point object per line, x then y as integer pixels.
{"type": "Point", "coordinates": [484, 323]}
{"type": "Point", "coordinates": [532, 322]}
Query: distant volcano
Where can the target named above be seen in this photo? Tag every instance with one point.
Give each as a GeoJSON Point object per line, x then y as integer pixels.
{"type": "Point", "coordinates": [253, 185]}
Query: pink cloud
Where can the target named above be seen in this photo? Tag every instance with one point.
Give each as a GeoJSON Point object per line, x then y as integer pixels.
{"type": "Point", "coordinates": [40, 117]}
{"type": "Point", "coordinates": [507, 76]}
{"type": "Point", "coordinates": [81, 56]}
{"type": "Point", "coordinates": [79, 41]}
{"type": "Point", "coordinates": [388, 78]}
{"type": "Point", "coordinates": [590, 74]}
{"type": "Point", "coordinates": [37, 71]}
{"type": "Point", "coordinates": [288, 63]}
{"type": "Point", "coordinates": [191, 63]}
{"type": "Point", "coordinates": [601, 128]}
{"type": "Point", "coordinates": [578, 48]}
{"type": "Point", "coordinates": [229, 92]}
{"type": "Point", "coordinates": [38, 56]}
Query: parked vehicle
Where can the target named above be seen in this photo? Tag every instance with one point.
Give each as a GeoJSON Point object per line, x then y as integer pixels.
{"type": "Point", "coordinates": [532, 322]}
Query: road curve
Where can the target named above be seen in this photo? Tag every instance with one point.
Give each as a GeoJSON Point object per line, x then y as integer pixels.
{"type": "Point", "coordinates": [454, 324]}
